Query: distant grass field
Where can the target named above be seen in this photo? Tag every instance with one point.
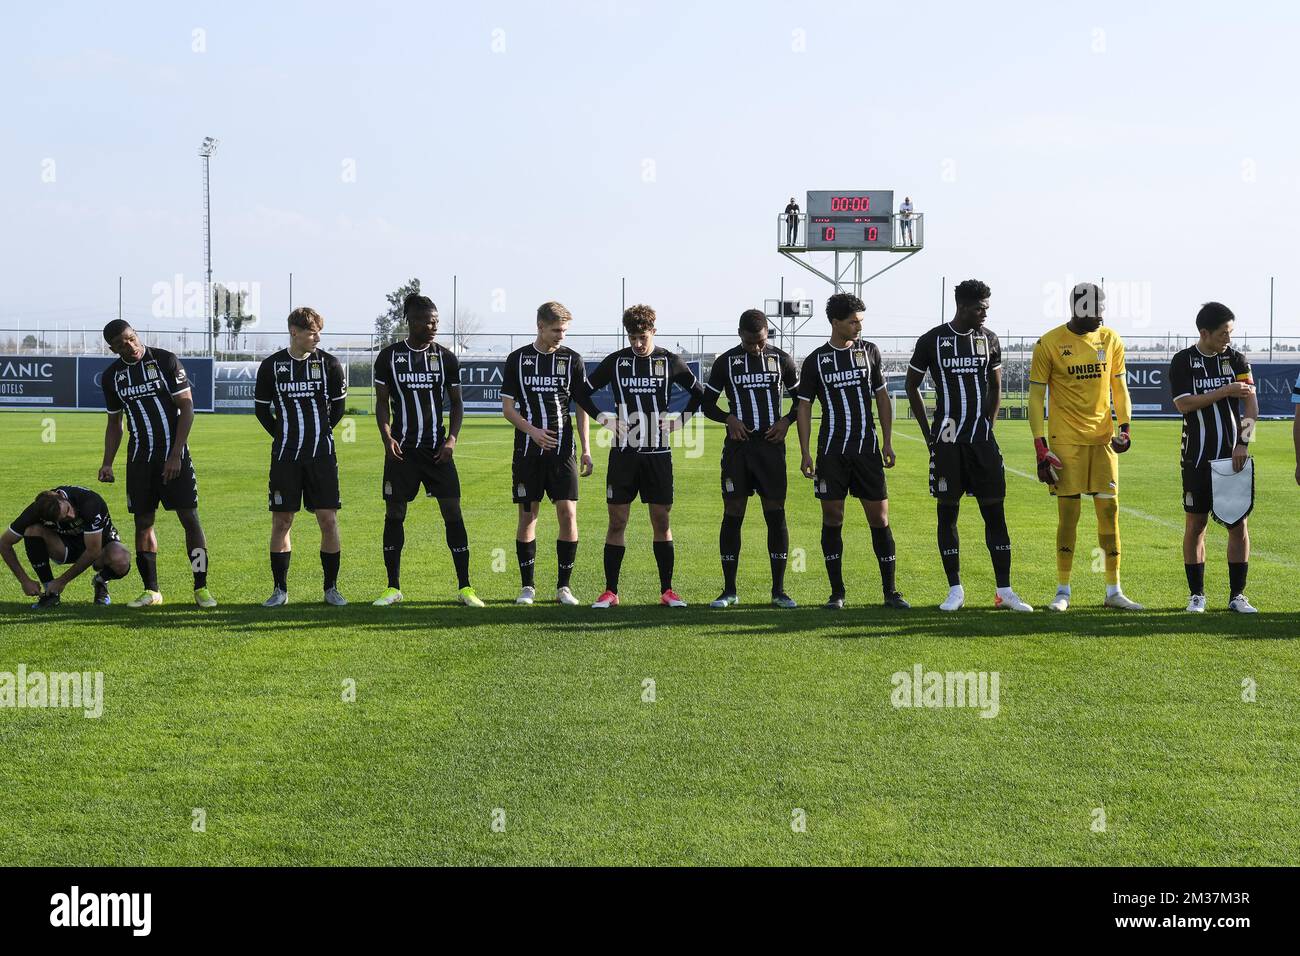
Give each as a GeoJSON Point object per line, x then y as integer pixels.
{"type": "Point", "coordinates": [538, 718]}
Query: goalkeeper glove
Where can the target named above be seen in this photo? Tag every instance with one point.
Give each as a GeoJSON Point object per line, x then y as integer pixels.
{"type": "Point", "coordinates": [1121, 442]}
{"type": "Point", "coordinates": [1049, 466]}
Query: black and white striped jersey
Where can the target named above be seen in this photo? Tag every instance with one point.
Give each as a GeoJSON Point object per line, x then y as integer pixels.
{"type": "Point", "coordinates": [143, 391]}
{"type": "Point", "coordinates": [754, 384]}
{"type": "Point", "coordinates": [641, 386]}
{"type": "Point", "coordinates": [418, 381]}
{"type": "Point", "coordinates": [1211, 432]}
{"type": "Point", "coordinates": [961, 366]}
{"type": "Point", "coordinates": [90, 514]}
{"type": "Point", "coordinates": [541, 385]}
{"type": "Point", "coordinates": [846, 381]}
{"type": "Point", "coordinates": [299, 393]}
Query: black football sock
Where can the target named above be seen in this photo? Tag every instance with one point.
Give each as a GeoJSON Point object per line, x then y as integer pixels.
{"type": "Point", "coordinates": [729, 549]}
{"type": "Point", "coordinates": [566, 555]}
{"type": "Point", "coordinates": [664, 558]}
{"type": "Point", "coordinates": [998, 539]}
{"type": "Point", "coordinates": [458, 542]}
{"type": "Point", "coordinates": [394, 540]}
{"type": "Point", "coordinates": [613, 562]}
{"type": "Point", "coordinates": [199, 567]}
{"type": "Point", "coordinates": [882, 542]}
{"type": "Point", "coordinates": [833, 552]}
{"type": "Point", "coordinates": [280, 568]}
{"type": "Point", "coordinates": [1195, 578]}
{"type": "Point", "coordinates": [329, 564]}
{"type": "Point", "coordinates": [39, 556]}
{"type": "Point", "coordinates": [526, 552]}
{"type": "Point", "coordinates": [778, 546]}
{"type": "Point", "coordinates": [949, 542]}
{"type": "Point", "coordinates": [1237, 577]}
{"type": "Point", "coordinates": [147, 562]}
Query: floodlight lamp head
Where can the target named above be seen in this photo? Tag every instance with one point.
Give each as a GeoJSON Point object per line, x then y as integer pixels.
{"type": "Point", "coordinates": [209, 146]}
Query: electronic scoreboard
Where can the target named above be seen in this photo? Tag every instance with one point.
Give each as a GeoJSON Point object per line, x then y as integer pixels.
{"type": "Point", "coordinates": [850, 219]}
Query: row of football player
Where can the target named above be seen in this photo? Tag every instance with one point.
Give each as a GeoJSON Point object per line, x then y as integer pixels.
{"type": "Point", "coordinates": [300, 397]}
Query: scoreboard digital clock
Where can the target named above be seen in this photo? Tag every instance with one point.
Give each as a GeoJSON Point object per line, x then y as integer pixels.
{"type": "Point", "coordinates": [850, 219]}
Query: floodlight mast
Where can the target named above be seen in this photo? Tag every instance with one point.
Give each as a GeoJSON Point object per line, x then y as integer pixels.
{"type": "Point", "coordinates": [847, 223]}
{"type": "Point", "coordinates": [205, 151]}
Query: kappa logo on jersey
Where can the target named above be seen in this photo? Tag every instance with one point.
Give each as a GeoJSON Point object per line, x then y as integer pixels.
{"type": "Point", "coordinates": [528, 361]}
{"type": "Point", "coordinates": [1065, 351]}
{"type": "Point", "coordinates": [121, 378]}
{"type": "Point", "coordinates": [281, 368]}
{"type": "Point", "coordinates": [400, 359]}
{"type": "Point", "coordinates": [624, 363]}
{"type": "Point", "coordinates": [945, 343]}
{"type": "Point", "coordinates": [827, 360]}
{"type": "Point", "coordinates": [738, 360]}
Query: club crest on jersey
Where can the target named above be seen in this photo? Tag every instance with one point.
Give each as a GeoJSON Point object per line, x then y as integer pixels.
{"type": "Point", "coordinates": [561, 366]}
{"type": "Point", "coordinates": [1225, 367]}
{"type": "Point", "coordinates": [1101, 355]}
{"type": "Point", "coordinates": [660, 368]}
{"type": "Point", "coordinates": [435, 363]}
{"type": "Point", "coordinates": [859, 358]}
{"type": "Point", "coordinates": [981, 347]}
{"type": "Point", "coordinates": [151, 371]}
{"type": "Point", "coordinates": [771, 364]}
{"type": "Point", "coordinates": [313, 371]}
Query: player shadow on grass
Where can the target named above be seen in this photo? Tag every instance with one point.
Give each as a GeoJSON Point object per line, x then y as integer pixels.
{"type": "Point", "coordinates": [505, 619]}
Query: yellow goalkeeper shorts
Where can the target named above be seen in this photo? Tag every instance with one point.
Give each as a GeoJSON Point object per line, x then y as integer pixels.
{"type": "Point", "coordinates": [1087, 470]}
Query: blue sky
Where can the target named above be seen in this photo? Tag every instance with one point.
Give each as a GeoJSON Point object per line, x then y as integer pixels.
{"type": "Point", "coordinates": [545, 150]}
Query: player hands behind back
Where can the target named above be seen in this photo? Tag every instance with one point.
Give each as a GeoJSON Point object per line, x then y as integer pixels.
{"type": "Point", "coordinates": [414, 380]}
{"type": "Point", "coordinates": [845, 375]}
{"type": "Point", "coordinates": [300, 396]}
{"type": "Point", "coordinates": [1079, 368]}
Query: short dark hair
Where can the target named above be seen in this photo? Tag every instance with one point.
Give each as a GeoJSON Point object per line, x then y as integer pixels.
{"type": "Point", "coordinates": [549, 313]}
{"type": "Point", "coordinates": [306, 318]}
{"type": "Point", "coordinates": [1086, 300]}
{"type": "Point", "coordinates": [114, 329]}
{"type": "Point", "coordinates": [752, 321]}
{"type": "Point", "coordinates": [843, 304]}
{"type": "Point", "coordinates": [638, 319]}
{"type": "Point", "coordinates": [970, 292]}
{"type": "Point", "coordinates": [417, 303]}
{"type": "Point", "coordinates": [48, 505]}
{"type": "Point", "coordinates": [1212, 316]}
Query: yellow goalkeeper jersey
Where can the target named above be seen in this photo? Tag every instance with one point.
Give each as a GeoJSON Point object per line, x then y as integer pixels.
{"type": "Point", "coordinates": [1079, 371]}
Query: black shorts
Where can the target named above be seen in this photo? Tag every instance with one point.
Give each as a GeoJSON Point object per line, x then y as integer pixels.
{"type": "Point", "coordinates": [420, 466]}
{"type": "Point", "coordinates": [967, 468]}
{"type": "Point", "coordinates": [74, 545]}
{"type": "Point", "coordinates": [535, 475]}
{"type": "Point", "coordinates": [631, 473]}
{"type": "Point", "coordinates": [840, 474]}
{"type": "Point", "coordinates": [753, 467]}
{"type": "Point", "coordinates": [145, 488]}
{"type": "Point", "coordinates": [1198, 489]}
{"type": "Point", "coordinates": [311, 483]}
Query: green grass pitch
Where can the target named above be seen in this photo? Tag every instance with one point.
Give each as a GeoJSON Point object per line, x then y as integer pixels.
{"type": "Point", "coordinates": [525, 735]}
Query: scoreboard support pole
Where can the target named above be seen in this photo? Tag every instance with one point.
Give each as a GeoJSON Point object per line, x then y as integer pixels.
{"type": "Point", "coordinates": [847, 275]}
